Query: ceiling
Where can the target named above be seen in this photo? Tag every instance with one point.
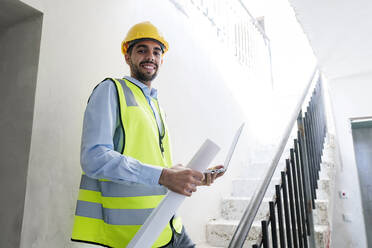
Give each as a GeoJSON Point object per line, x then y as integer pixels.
{"type": "Point", "coordinates": [340, 33]}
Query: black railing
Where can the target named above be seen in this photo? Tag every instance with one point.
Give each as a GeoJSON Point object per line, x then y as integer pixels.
{"type": "Point", "coordinates": [290, 217]}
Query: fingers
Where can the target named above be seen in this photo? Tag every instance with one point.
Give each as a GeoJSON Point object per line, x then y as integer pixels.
{"type": "Point", "coordinates": [220, 174]}
{"type": "Point", "coordinates": [189, 189]}
{"type": "Point", "coordinates": [214, 176]}
{"type": "Point", "coordinates": [198, 177]}
{"type": "Point", "coordinates": [181, 180]}
{"type": "Point", "coordinates": [211, 177]}
{"type": "Point", "coordinates": [218, 166]}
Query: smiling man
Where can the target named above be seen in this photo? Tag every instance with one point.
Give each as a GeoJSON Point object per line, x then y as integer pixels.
{"type": "Point", "coordinates": [142, 68]}
{"type": "Point", "coordinates": [126, 153]}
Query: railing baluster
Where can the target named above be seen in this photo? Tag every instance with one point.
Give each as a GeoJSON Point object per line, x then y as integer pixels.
{"type": "Point", "coordinates": [305, 170]}
{"type": "Point", "coordinates": [280, 215]}
{"type": "Point", "coordinates": [321, 123]}
{"type": "Point", "coordinates": [317, 128]}
{"type": "Point", "coordinates": [316, 140]}
{"type": "Point", "coordinates": [312, 144]}
{"type": "Point", "coordinates": [296, 196]}
{"type": "Point", "coordinates": [286, 210]}
{"type": "Point", "coordinates": [265, 234]}
{"type": "Point", "coordinates": [314, 127]}
{"type": "Point", "coordinates": [323, 115]}
{"type": "Point", "coordinates": [312, 150]}
{"type": "Point", "coordinates": [291, 203]}
{"type": "Point", "coordinates": [309, 158]}
{"type": "Point", "coordinates": [274, 239]}
{"type": "Point", "coordinates": [301, 191]}
{"type": "Point", "coordinates": [308, 150]}
{"type": "Point", "coordinates": [322, 118]}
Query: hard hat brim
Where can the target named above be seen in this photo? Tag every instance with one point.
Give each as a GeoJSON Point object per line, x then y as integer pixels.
{"type": "Point", "coordinates": [133, 42]}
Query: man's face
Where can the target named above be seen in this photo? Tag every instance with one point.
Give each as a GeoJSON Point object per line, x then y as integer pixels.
{"type": "Point", "coordinates": [144, 60]}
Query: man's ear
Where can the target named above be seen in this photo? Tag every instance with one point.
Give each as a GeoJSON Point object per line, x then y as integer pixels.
{"type": "Point", "coordinates": [127, 58]}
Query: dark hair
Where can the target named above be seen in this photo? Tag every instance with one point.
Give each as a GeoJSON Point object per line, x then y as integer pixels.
{"type": "Point", "coordinates": [133, 42]}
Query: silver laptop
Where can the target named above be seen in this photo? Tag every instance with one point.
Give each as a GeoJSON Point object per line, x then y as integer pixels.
{"type": "Point", "coordinates": [229, 154]}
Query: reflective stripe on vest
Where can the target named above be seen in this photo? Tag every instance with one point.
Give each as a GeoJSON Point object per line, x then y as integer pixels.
{"type": "Point", "coordinates": [110, 213]}
{"type": "Point", "coordinates": [111, 189]}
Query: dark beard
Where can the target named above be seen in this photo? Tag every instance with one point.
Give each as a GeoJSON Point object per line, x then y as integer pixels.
{"type": "Point", "coordinates": [143, 77]}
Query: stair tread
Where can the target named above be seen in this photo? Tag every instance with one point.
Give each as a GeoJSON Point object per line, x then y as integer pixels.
{"type": "Point", "coordinates": [253, 178]}
{"type": "Point", "coordinates": [244, 198]}
{"type": "Point", "coordinates": [230, 222]}
{"type": "Point", "coordinates": [206, 245]}
{"type": "Point", "coordinates": [321, 228]}
{"type": "Point", "coordinates": [317, 227]}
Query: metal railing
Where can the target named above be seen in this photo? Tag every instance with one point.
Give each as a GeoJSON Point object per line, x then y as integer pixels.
{"type": "Point", "coordinates": [237, 29]}
{"type": "Point", "coordinates": [295, 196]}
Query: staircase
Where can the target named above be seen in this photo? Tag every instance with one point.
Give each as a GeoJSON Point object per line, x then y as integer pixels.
{"type": "Point", "coordinates": [220, 231]}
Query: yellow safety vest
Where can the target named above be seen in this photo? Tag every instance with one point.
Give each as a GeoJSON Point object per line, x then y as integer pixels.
{"type": "Point", "coordinates": [109, 213]}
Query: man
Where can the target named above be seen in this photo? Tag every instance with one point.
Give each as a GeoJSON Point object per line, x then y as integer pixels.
{"type": "Point", "coordinates": [126, 155]}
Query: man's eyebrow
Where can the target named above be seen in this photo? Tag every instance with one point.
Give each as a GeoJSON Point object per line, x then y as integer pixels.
{"type": "Point", "coordinates": [141, 46]}
{"type": "Point", "coordinates": [145, 46]}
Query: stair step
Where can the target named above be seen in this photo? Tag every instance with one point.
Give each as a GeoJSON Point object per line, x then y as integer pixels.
{"type": "Point", "coordinates": [327, 170]}
{"type": "Point", "coordinates": [219, 233]}
{"type": "Point", "coordinates": [232, 208]}
{"type": "Point", "coordinates": [259, 169]}
{"type": "Point", "coordinates": [323, 191]}
{"type": "Point", "coordinates": [206, 245]}
{"type": "Point", "coordinates": [322, 233]}
{"type": "Point", "coordinates": [320, 212]}
{"type": "Point", "coordinates": [242, 187]}
{"type": "Point", "coordinates": [263, 153]}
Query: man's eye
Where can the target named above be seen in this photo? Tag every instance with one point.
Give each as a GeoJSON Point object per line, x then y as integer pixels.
{"type": "Point", "coordinates": [157, 53]}
{"type": "Point", "coordinates": [140, 51]}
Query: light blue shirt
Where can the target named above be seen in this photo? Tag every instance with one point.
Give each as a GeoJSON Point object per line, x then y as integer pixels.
{"type": "Point", "coordinates": [102, 139]}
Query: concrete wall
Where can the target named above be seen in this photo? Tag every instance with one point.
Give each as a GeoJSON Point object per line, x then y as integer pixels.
{"type": "Point", "coordinates": [350, 98]}
{"type": "Point", "coordinates": [80, 46]}
{"type": "Point", "coordinates": [18, 70]}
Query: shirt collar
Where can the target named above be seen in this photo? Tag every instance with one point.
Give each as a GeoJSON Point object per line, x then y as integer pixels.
{"type": "Point", "coordinates": [146, 90]}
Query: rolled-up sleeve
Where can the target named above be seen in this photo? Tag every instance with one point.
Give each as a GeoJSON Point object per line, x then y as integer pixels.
{"type": "Point", "coordinates": [98, 157]}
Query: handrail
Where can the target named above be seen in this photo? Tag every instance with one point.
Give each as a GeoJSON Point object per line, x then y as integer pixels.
{"type": "Point", "coordinates": [254, 21]}
{"type": "Point", "coordinates": [250, 212]}
{"type": "Point", "coordinates": [236, 27]}
{"type": "Point", "coordinates": [266, 38]}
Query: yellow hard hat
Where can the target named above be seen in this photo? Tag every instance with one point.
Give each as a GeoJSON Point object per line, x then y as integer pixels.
{"type": "Point", "coordinates": [143, 30]}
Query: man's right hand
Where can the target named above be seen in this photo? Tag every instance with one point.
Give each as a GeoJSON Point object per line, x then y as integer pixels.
{"type": "Point", "coordinates": [180, 179]}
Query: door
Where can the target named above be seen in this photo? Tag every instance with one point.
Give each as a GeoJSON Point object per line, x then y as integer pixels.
{"type": "Point", "coordinates": [362, 137]}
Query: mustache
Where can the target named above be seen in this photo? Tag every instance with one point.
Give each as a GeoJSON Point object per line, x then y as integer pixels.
{"type": "Point", "coordinates": [149, 62]}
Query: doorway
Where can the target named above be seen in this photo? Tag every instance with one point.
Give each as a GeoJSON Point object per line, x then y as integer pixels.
{"type": "Point", "coordinates": [20, 34]}
{"type": "Point", "coordinates": [362, 138]}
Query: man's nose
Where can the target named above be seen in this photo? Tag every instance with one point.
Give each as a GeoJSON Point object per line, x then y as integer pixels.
{"type": "Point", "coordinates": [150, 56]}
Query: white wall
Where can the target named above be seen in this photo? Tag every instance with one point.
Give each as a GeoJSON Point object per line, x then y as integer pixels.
{"type": "Point", "coordinates": [350, 98]}
{"type": "Point", "coordinates": [80, 46]}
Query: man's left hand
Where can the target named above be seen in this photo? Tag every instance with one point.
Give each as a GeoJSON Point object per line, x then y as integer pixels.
{"type": "Point", "coordinates": [209, 178]}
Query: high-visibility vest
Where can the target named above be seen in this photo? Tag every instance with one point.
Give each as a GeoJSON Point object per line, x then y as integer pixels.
{"type": "Point", "coordinates": [109, 213]}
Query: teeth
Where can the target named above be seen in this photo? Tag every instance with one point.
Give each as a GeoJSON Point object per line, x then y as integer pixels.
{"type": "Point", "coordinates": [148, 67]}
